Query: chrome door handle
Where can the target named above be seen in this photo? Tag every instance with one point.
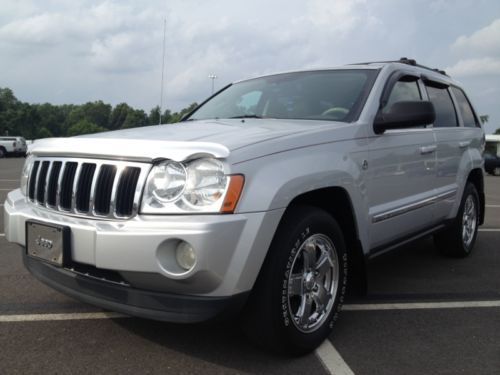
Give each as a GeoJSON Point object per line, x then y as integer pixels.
{"type": "Point", "coordinates": [427, 149]}
{"type": "Point", "coordinates": [464, 144]}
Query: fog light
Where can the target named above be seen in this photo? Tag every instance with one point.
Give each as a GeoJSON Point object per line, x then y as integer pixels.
{"type": "Point", "coordinates": [184, 253]}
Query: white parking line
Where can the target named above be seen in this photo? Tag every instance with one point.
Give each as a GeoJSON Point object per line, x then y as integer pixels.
{"type": "Point", "coordinates": [489, 230]}
{"type": "Point", "coordinates": [3, 180]}
{"type": "Point", "coordinates": [7, 189]}
{"type": "Point", "coordinates": [332, 360]}
{"type": "Point", "coordinates": [420, 305]}
{"type": "Point", "coordinates": [493, 206]}
{"type": "Point", "coordinates": [2, 234]}
{"type": "Point", "coordinates": [47, 317]}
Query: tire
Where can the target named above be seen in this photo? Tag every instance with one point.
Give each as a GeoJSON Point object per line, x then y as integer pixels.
{"type": "Point", "coordinates": [496, 171]}
{"type": "Point", "coordinates": [458, 240]}
{"type": "Point", "coordinates": [3, 153]}
{"type": "Point", "coordinates": [294, 305]}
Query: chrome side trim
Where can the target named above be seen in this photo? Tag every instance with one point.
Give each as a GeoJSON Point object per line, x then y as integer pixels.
{"type": "Point", "coordinates": [413, 206]}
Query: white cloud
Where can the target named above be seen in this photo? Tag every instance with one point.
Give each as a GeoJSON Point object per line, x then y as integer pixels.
{"type": "Point", "coordinates": [485, 41]}
{"type": "Point", "coordinates": [475, 67]}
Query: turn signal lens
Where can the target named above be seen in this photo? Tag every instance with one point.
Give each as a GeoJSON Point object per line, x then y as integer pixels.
{"type": "Point", "coordinates": [236, 183]}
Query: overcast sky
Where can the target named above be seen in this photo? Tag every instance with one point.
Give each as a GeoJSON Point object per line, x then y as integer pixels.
{"type": "Point", "coordinates": [71, 51]}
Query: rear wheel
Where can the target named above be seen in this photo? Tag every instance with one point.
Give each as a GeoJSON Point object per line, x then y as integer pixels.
{"type": "Point", "coordinates": [299, 292]}
{"type": "Point", "coordinates": [3, 153]}
{"type": "Point", "coordinates": [458, 240]}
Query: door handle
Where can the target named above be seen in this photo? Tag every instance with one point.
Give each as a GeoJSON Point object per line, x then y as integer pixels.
{"type": "Point", "coordinates": [427, 149]}
{"type": "Point", "coordinates": [464, 144]}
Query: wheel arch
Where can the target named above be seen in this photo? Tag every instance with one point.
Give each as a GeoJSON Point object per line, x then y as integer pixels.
{"type": "Point", "coordinates": [337, 202]}
{"type": "Point", "coordinates": [477, 179]}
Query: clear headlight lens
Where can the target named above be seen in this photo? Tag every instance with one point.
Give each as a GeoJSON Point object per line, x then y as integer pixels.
{"type": "Point", "coordinates": [25, 174]}
{"type": "Point", "coordinates": [206, 182]}
{"type": "Point", "coordinates": [195, 186]}
{"type": "Point", "coordinates": [167, 181]}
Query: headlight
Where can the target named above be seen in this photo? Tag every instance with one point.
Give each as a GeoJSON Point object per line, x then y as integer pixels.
{"type": "Point", "coordinates": [25, 174]}
{"type": "Point", "coordinates": [197, 186]}
{"type": "Point", "coordinates": [167, 181]}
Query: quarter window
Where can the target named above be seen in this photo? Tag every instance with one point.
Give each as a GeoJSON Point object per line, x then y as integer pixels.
{"type": "Point", "coordinates": [443, 105]}
{"type": "Point", "coordinates": [468, 116]}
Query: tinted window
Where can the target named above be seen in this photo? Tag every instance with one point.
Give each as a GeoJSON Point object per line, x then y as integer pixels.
{"type": "Point", "coordinates": [465, 109]}
{"type": "Point", "coordinates": [403, 91]}
{"type": "Point", "coordinates": [445, 111]}
{"type": "Point", "coordinates": [335, 95]}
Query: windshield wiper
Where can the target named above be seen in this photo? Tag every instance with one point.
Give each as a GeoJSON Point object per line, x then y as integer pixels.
{"type": "Point", "coordinates": [247, 116]}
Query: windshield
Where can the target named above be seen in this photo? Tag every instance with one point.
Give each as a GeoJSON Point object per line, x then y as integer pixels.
{"type": "Point", "coordinates": [335, 95]}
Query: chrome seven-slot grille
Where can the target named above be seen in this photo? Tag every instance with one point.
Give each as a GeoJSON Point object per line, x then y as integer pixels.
{"type": "Point", "coordinates": [87, 187]}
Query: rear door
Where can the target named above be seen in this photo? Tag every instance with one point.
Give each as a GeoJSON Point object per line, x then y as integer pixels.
{"type": "Point", "coordinates": [454, 128]}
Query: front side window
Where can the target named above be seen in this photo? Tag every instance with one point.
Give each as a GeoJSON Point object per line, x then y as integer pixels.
{"type": "Point", "coordinates": [465, 109]}
{"type": "Point", "coordinates": [403, 91]}
{"type": "Point", "coordinates": [334, 95]}
{"type": "Point", "coordinates": [443, 105]}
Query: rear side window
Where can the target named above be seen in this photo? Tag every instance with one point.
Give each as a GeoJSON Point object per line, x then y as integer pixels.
{"type": "Point", "coordinates": [465, 109]}
{"type": "Point", "coordinates": [445, 111]}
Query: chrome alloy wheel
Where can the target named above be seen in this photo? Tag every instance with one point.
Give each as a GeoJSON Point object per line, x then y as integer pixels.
{"type": "Point", "coordinates": [313, 283]}
{"type": "Point", "coordinates": [469, 221]}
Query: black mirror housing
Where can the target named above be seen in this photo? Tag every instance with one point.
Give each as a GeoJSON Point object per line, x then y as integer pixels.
{"type": "Point", "coordinates": [405, 114]}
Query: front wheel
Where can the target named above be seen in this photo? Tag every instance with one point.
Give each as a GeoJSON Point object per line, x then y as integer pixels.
{"type": "Point", "coordinates": [300, 290]}
{"type": "Point", "coordinates": [458, 240]}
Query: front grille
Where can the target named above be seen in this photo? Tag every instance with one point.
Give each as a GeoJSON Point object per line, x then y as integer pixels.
{"type": "Point", "coordinates": [84, 187]}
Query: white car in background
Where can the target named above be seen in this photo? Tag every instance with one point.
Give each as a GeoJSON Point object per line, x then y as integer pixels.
{"type": "Point", "coordinates": [12, 146]}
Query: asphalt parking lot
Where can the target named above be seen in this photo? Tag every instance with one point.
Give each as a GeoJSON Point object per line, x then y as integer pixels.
{"type": "Point", "coordinates": [423, 314]}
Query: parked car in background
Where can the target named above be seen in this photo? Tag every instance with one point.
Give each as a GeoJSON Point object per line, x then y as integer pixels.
{"type": "Point", "coordinates": [15, 146]}
{"type": "Point", "coordinates": [492, 164]}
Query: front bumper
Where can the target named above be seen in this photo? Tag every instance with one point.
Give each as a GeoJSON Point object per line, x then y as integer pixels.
{"type": "Point", "coordinates": [230, 250]}
{"type": "Point", "coordinates": [146, 304]}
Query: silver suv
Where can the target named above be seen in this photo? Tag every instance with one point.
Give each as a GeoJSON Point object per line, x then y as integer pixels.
{"type": "Point", "coordinates": [267, 199]}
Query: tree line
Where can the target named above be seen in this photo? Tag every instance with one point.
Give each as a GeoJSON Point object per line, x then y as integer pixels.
{"type": "Point", "coordinates": [34, 121]}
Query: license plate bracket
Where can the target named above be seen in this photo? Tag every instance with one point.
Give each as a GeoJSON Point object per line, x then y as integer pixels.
{"type": "Point", "coordinates": [48, 242]}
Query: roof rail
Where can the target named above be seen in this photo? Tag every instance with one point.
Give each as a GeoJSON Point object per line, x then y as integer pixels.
{"type": "Point", "coordinates": [405, 60]}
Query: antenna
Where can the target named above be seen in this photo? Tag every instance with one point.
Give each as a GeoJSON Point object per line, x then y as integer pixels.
{"type": "Point", "coordinates": [162, 67]}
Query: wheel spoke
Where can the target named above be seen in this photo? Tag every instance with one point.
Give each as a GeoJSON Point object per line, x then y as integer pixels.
{"type": "Point", "coordinates": [323, 265]}
{"type": "Point", "coordinates": [321, 297]}
{"type": "Point", "coordinates": [309, 255]}
{"type": "Point", "coordinates": [304, 312]}
{"type": "Point", "coordinates": [295, 284]}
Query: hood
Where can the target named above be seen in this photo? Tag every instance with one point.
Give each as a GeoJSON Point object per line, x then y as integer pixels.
{"type": "Point", "coordinates": [233, 134]}
{"type": "Point", "coordinates": [178, 142]}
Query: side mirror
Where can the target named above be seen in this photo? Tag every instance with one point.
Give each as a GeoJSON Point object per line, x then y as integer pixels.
{"type": "Point", "coordinates": [403, 115]}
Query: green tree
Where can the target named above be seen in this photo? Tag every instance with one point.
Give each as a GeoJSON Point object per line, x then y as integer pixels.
{"type": "Point", "coordinates": [497, 131]}
{"type": "Point", "coordinates": [43, 133]}
{"type": "Point", "coordinates": [34, 121]}
{"type": "Point", "coordinates": [135, 118]}
{"type": "Point", "coordinates": [177, 116]}
{"type": "Point", "coordinates": [84, 127]}
{"type": "Point", "coordinates": [118, 116]}
{"type": "Point", "coordinates": [154, 116]}
{"type": "Point", "coordinates": [95, 112]}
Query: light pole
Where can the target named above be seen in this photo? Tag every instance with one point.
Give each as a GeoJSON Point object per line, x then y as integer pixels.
{"type": "Point", "coordinates": [162, 67]}
{"type": "Point", "coordinates": [212, 77]}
